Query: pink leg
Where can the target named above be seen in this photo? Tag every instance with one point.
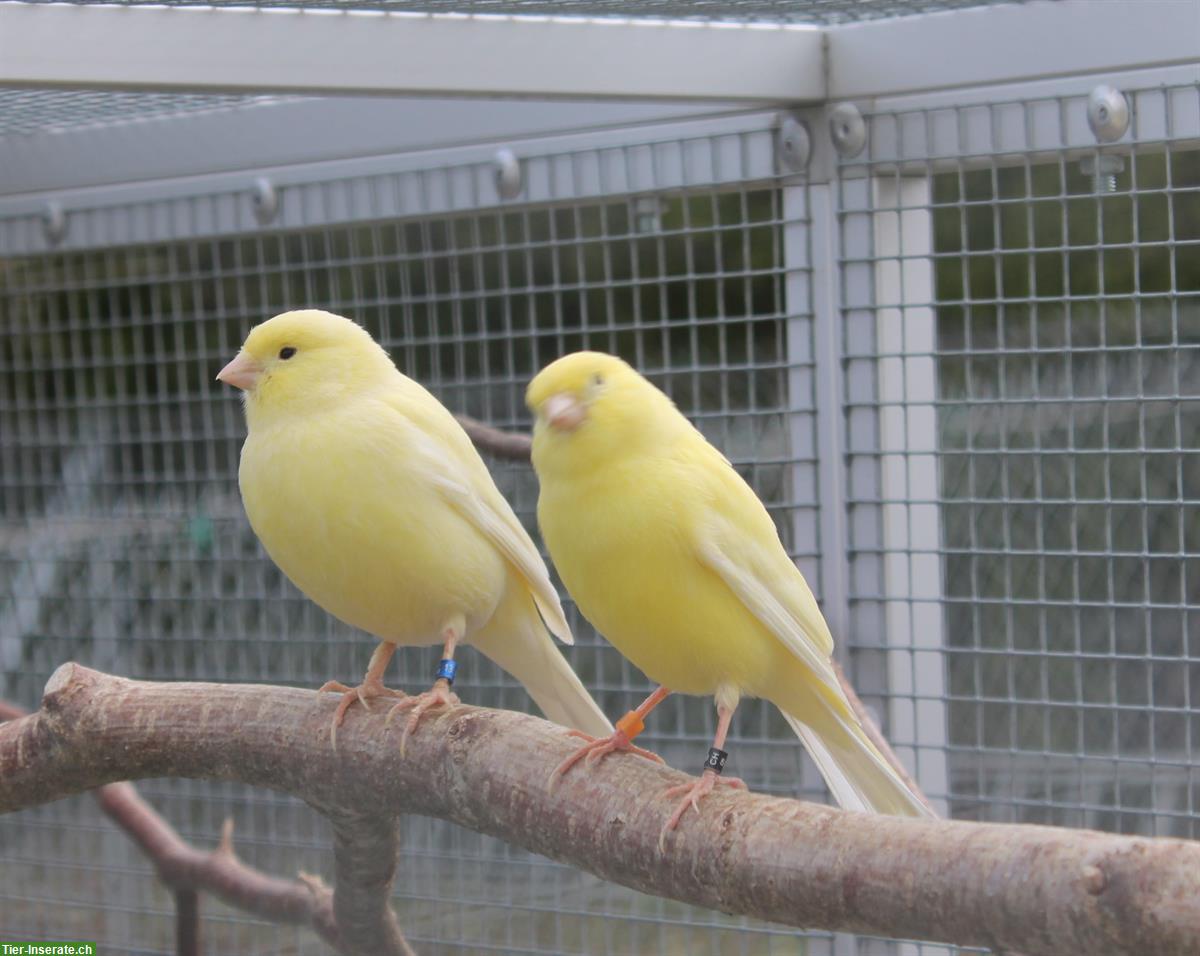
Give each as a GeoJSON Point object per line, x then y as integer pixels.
{"type": "Point", "coordinates": [692, 792]}
{"type": "Point", "coordinates": [370, 688]}
{"type": "Point", "coordinates": [439, 695]}
{"type": "Point", "coordinates": [621, 739]}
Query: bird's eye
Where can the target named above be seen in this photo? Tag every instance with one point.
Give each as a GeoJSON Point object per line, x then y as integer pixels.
{"type": "Point", "coordinates": [286, 352]}
{"type": "Point", "coordinates": [597, 380]}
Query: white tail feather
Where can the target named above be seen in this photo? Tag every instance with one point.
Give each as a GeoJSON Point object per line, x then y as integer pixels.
{"type": "Point", "coordinates": [840, 786]}
{"type": "Point", "coordinates": [856, 773]}
{"type": "Point", "coordinates": [530, 655]}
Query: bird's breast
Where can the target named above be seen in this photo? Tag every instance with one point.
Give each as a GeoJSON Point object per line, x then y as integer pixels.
{"type": "Point", "coordinates": [363, 534]}
{"type": "Point", "coordinates": [625, 550]}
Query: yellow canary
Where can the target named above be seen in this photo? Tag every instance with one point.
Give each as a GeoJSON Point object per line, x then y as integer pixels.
{"type": "Point", "coordinates": [371, 498]}
{"type": "Point", "coordinates": [670, 554]}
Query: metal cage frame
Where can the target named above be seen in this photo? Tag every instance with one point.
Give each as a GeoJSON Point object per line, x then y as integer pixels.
{"type": "Point", "coordinates": [657, 163]}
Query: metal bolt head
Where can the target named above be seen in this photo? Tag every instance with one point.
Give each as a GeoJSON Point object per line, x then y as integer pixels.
{"type": "Point", "coordinates": [265, 200]}
{"type": "Point", "coordinates": [508, 174]}
{"type": "Point", "coordinates": [54, 222]}
{"type": "Point", "coordinates": [848, 130]}
{"type": "Point", "coordinates": [1108, 113]}
{"type": "Point", "coordinates": [793, 145]}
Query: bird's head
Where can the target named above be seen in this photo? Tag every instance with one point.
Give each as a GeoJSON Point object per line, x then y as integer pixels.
{"type": "Point", "coordinates": [301, 359]}
{"type": "Point", "coordinates": [590, 406]}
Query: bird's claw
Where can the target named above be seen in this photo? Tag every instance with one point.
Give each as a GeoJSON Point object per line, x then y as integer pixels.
{"type": "Point", "coordinates": [334, 685]}
{"type": "Point", "coordinates": [692, 792]}
{"type": "Point", "coordinates": [598, 747]}
{"type": "Point", "coordinates": [363, 693]}
{"type": "Point", "coordinates": [439, 695]}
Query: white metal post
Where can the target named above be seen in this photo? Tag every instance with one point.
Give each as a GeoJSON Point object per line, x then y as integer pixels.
{"type": "Point", "coordinates": [906, 341]}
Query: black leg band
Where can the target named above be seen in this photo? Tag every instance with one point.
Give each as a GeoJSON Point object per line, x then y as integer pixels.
{"type": "Point", "coordinates": [715, 760]}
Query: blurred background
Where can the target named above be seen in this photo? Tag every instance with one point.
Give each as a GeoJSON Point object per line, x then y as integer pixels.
{"type": "Point", "coordinates": [941, 309]}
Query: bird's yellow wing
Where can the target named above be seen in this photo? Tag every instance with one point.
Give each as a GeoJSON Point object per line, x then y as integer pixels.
{"type": "Point", "coordinates": [719, 551]}
{"type": "Point", "coordinates": [454, 467]}
{"type": "Point", "coordinates": [736, 539]}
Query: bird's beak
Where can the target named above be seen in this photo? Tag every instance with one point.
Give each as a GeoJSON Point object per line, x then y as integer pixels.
{"type": "Point", "coordinates": [242, 372]}
{"type": "Point", "coordinates": [564, 412]}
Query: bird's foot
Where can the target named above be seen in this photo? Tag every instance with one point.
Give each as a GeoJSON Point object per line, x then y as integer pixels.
{"type": "Point", "coordinates": [691, 793]}
{"type": "Point", "coordinates": [365, 692]}
{"type": "Point", "coordinates": [598, 747]}
{"type": "Point", "coordinates": [439, 695]}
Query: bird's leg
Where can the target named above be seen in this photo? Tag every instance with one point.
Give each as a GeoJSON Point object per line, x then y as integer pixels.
{"type": "Point", "coordinates": [710, 778]}
{"type": "Point", "coordinates": [628, 727]}
{"type": "Point", "coordinates": [371, 687]}
{"type": "Point", "coordinates": [439, 695]}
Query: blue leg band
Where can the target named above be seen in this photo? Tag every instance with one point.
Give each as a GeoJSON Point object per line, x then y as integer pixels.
{"type": "Point", "coordinates": [446, 670]}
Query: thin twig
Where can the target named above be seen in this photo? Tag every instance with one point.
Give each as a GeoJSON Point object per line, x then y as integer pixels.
{"type": "Point", "coordinates": [876, 736]}
{"type": "Point", "coordinates": [513, 446]}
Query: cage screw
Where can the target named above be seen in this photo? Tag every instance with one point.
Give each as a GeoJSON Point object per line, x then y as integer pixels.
{"type": "Point", "coordinates": [848, 129]}
{"type": "Point", "coordinates": [647, 215]}
{"type": "Point", "coordinates": [1108, 113]}
{"type": "Point", "coordinates": [54, 222]}
{"type": "Point", "coordinates": [1108, 116]}
{"type": "Point", "coordinates": [1104, 169]}
{"type": "Point", "coordinates": [508, 174]}
{"type": "Point", "coordinates": [265, 200]}
{"type": "Point", "coordinates": [793, 146]}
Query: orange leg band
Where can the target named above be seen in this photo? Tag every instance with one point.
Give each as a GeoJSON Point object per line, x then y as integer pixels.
{"type": "Point", "coordinates": [631, 724]}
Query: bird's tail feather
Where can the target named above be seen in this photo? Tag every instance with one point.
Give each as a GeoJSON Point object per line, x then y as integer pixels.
{"type": "Point", "coordinates": [857, 774]}
{"type": "Point", "coordinates": [524, 648]}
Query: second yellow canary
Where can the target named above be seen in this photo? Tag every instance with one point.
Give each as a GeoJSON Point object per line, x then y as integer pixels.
{"type": "Point", "coordinates": [670, 554]}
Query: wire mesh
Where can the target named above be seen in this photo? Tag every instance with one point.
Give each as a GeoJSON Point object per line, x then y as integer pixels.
{"type": "Point", "coordinates": [124, 543]}
{"type": "Point", "coordinates": [1019, 387]}
{"type": "Point", "coordinates": [773, 11]}
{"type": "Point", "coordinates": [1034, 320]}
{"type": "Point", "coordinates": [24, 111]}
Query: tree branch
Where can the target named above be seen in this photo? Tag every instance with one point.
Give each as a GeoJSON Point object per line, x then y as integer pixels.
{"type": "Point", "coordinates": [512, 446]}
{"type": "Point", "coordinates": [186, 870]}
{"type": "Point", "coordinates": [1039, 890]}
{"type": "Point", "coordinates": [516, 447]}
{"type": "Point", "coordinates": [365, 848]}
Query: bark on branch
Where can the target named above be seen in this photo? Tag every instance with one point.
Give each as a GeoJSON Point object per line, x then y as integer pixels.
{"type": "Point", "coordinates": [306, 901]}
{"type": "Point", "coordinates": [1038, 890]}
